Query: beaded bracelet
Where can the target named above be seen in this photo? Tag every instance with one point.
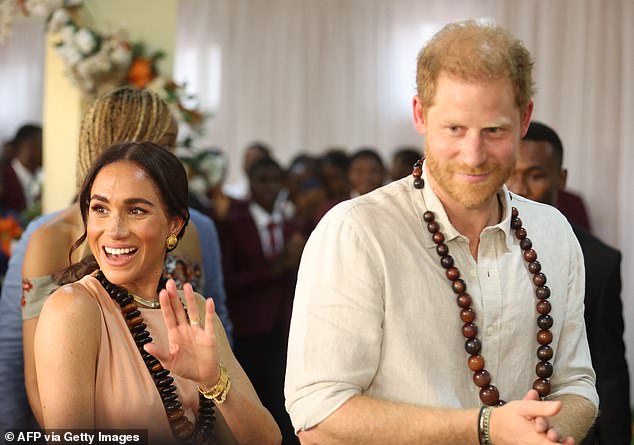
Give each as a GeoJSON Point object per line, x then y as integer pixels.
{"type": "Point", "coordinates": [483, 425]}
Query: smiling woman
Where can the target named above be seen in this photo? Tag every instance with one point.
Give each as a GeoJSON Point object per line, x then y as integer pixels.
{"type": "Point", "coordinates": [169, 368]}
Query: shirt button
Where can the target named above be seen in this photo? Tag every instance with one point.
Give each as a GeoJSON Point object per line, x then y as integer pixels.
{"type": "Point", "coordinates": [473, 273]}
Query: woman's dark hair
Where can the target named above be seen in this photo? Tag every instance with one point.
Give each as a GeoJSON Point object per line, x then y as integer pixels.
{"type": "Point", "coordinates": [167, 174]}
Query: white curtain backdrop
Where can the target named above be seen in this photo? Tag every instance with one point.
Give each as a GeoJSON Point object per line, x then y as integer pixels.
{"type": "Point", "coordinates": [21, 76]}
{"type": "Point", "coordinates": [304, 75]}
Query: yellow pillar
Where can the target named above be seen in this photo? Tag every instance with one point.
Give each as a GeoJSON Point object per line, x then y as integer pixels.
{"type": "Point", "coordinates": [149, 21]}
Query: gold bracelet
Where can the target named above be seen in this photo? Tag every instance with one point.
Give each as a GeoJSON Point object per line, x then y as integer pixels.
{"type": "Point", "coordinates": [218, 393]}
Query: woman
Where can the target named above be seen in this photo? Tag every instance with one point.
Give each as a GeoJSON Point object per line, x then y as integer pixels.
{"type": "Point", "coordinates": [125, 114]}
{"type": "Point", "coordinates": [96, 362]}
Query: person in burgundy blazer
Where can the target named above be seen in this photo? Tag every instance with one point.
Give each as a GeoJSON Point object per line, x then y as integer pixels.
{"type": "Point", "coordinates": [260, 282]}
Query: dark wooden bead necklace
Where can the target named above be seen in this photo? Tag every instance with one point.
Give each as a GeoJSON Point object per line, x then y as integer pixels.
{"type": "Point", "coordinates": [183, 429]}
{"type": "Point", "coordinates": [489, 394]}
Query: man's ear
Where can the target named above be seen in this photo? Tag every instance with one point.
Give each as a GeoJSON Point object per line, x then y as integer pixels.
{"type": "Point", "coordinates": [527, 114]}
{"type": "Point", "coordinates": [563, 177]}
{"type": "Point", "coordinates": [420, 124]}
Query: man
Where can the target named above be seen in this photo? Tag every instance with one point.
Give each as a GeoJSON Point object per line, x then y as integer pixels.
{"type": "Point", "coordinates": [377, 344]}
{"type": "Point", "coordinates": [21, 174]}
{"type": "Point", "coordinates": [539, 176]}
{"type": "Point", "coordinates": [260, 256]}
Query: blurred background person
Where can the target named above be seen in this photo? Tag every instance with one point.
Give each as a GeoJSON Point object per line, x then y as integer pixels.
{"type": "Point", "coordinates": [260, 256]}
{"type": "Point", "coordinates": [21, 170]}
{"type": "Point", "coordinates": [403, 160]}
{"type": "Point", "coordinates": [254, 151]}
{"type": "Point", "coordinates": [366, 172]}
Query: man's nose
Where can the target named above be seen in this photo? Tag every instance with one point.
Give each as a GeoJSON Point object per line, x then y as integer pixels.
{"type": "Point", "coordinates": [473, 150]}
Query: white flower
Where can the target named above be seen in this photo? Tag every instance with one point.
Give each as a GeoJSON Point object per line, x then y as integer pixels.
{"type": "Point", "coordinates": [85, 41]}
{"type": "Point", "coordinates": [8, 11]}
{"type": "Point", "coordinates": [59, 19]}
{"type": "Point", "coordinates": [69, 54]}
{"type": "Point", "coordinates": [121, 55]}
{"type": "Point", "coordinates": [67, 34]}
{"type": "Point", "coordinates": [43, 7]}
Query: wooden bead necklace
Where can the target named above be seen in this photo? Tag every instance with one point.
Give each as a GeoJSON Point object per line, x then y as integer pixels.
{"type": "Point", "coordinates": [489, 394]}
{"type": "Point", "coordinates": [182, 427]}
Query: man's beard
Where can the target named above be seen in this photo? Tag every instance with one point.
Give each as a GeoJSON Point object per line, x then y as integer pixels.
{"type": "Point", "coordinates": [470, 196]}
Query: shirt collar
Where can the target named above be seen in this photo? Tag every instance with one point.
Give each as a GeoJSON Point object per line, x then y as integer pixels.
{"type": "Point", "coordinates": [430, 201]}
{"type": "Point", "coordinates": [261, 217]}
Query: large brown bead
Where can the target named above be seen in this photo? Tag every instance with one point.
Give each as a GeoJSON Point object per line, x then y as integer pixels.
{"type": "Point", "coordinates": [433, 227]}
{"type": "Point", "coordinates": [467, 315]}
{"type": "Point", "coordinates": [419, 183]}
{"type": "Point", "coordinates": [489, 395]}
{"type": "Point", "coordinates": [545, 322]}
{"type": "Point", "coordinates": [470, 330]}
{"type": "Point", "coordinates": [452, 273]}
{"type": "Point", "coordinates": [476, 363]}
{"type": "Point", "coordinates": [542, 292]}
{"type": "Point", "coordinates": [526, 244]}
{"type": "Point", "coordinates": [442, 250]}
{"type": "Point", "coordinates": [175, 414]}
{"type": "Point", "coordinates": [473, 346]}
{"type": "Point", "coordinates": [542, 386]}
{"type": "Point", "coordinates": [520, 233]}
{"type": "Point", "coordinates": [463, 300]}
{"type": "Point", "coordinates": [530, 255]}
{"type": "Point", "coordinates": [545, 352]}
{"type": "Point", "coordinates": [514, 212]}
{"type": "Point", "coordinates": [135, 321]}
{"type": "Point", "coordinates": [438, 237]}
{"type": "Point", "coordinates": [458, 286]}
{"type": "Point", "coordinates": [446, 261]}
{"type": "Point", "coordinates": [417, 171]}
{"type": "Point", "coordinates": [544, 337]}
{"type": "Point", "coordinates": [539, 279]}
{"type": "Point", "coordinates": [428, 216]}
{"type": "Point", "coordinates": [516, 223]}
{"type": "Point", "coordinates": [534, 267]}
{"type": "Point", "coordinates": [482, 378]}
{"type": "Point", "coordinates": [543, 307]}
{"type": "Point", "coordinates": [544, 369]}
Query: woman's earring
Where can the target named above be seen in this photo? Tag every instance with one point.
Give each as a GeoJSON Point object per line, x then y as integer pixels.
{"type": "Point", "coordinates": [171, 242]}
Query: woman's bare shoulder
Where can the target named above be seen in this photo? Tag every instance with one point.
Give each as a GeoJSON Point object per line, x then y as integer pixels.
{"type": "Point", "coordinates": [49, 245]}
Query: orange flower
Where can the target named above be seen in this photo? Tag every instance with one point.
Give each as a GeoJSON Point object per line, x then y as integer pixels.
{"type": "Point", "coordinates": [141, 72]}
{"type": "Point", "coordinates": [9, 230]}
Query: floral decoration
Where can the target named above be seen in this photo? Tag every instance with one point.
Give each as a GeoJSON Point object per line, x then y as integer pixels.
{"type": "Point", "coordinates": [10, 231]}
{"type": "Point", "coordinates": [97, 62]}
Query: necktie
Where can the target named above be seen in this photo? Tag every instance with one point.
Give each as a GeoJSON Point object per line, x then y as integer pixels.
{"type": "Point", "coordinates": [272, 244]}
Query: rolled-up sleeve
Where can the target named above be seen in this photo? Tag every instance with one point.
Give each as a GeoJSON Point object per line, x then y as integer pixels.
{"type": "Point", "coordinates": [573, 366]}
{"type": "Point", "coordinates": [336, 329]}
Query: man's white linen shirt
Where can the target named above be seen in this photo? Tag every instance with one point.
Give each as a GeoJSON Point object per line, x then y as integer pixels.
{"type": "Point", "coordinates": [374, 313]}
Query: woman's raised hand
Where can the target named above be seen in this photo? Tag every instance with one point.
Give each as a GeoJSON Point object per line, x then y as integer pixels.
{"type": "Point", "coordinates": [192, 349]}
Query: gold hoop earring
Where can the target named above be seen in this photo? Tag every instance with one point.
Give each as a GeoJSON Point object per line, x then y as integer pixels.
{"type": "Point", "coordinates": [171, 242]}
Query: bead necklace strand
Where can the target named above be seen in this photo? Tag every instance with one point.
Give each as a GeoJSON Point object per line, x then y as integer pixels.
{"type": "Point", "coordinates": [182, 427]}
{"type": "Point", "coordinates": [489, 394]}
